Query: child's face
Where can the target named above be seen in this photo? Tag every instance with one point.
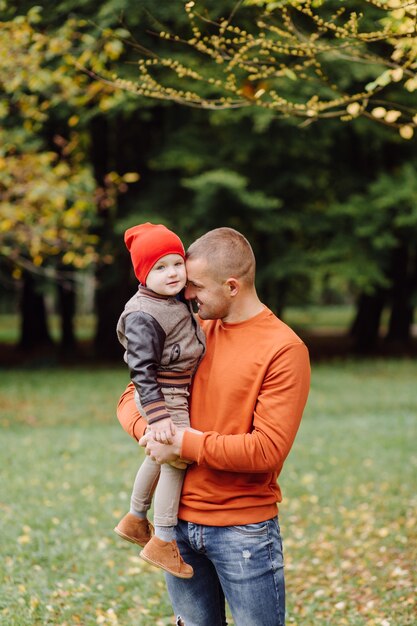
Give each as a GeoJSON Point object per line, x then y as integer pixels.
{"type": "Point", "coordinates": [168, 276]}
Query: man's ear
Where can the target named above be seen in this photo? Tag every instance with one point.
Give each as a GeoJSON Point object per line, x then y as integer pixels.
{"type": "Point", "coordinates": [232, 286]}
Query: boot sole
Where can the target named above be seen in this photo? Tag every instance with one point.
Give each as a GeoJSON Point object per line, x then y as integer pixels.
{"type": "Point", "coordinates": [127, 538]}
{"type": "Point", "coordinates": [161, 566]}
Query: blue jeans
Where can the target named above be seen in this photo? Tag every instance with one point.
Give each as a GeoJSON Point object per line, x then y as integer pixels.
{"type": "Point", "coordinates": [243, 564]}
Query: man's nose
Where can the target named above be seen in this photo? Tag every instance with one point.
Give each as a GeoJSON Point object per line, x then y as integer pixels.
{"type": "Point", "coordinates": [188, 292]}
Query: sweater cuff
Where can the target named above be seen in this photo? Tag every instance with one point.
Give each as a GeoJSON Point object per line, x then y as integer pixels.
{"type": "Point", "coordinates": [155, 411]}
{"type": "Point", "coordinates": [139, 428]}
{"type": "Point", "coordinates": [191, 445]}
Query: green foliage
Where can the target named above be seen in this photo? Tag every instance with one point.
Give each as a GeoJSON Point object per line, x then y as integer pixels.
{"type": "Point", "coordinates": [326, 205]}
{"type": "Point", "coordinates": [220, 189]}
{"type": "Point", "coordinates": [289, 58]}
{"type": "Point", "coordinates": [48, 192]}
{"type": "Point", "coordinates": [47, 208]}
{"type": "Point", "coordinates": [370, 226]}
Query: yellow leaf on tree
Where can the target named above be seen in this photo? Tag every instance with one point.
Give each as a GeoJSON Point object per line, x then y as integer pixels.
{"type": "Point", "coordinates": [68, 258]}
{"type": "Point", "coordinates": [397, 74]}
{"type": "Point", "coordinates": [406, 131]}
{"type": "Point", "coordinates": [392, 116]}
{"type": "Point", "coordinates": [353, 108]}
{"type": "Point", "coordinates": [73, 120]}
{"type": "Point", "coordinates": [131, 177]}
{"type": "Point", "coordinates": [5, 225]}
{"type": "Point", "coordinates": [379, 112]}
{"type": "Point", "coordinates": [411, 84]}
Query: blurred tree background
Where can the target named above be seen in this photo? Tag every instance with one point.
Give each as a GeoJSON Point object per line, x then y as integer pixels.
{"type": "Point", "coordinates": [327, 196]}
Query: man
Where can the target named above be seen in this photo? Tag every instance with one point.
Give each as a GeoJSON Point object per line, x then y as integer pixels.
{"type": "Point", "coordinates": [247, 400]}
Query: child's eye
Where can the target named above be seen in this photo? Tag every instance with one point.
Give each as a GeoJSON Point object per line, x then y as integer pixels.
{"type": "Point", "coordinates": [179, 264]}
{"type": "Point", "coordinates": [160, 267]}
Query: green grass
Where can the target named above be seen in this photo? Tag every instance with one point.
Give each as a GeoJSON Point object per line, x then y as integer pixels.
{"type": "Point", "coordinates": [333, 318]}
{"type": "Point", "coordinates": [329, 318]}
{"type": "Point", "coordinates": [348, 518]}
{"type": "Point", "coordinates": [10, 329]}
{"type": "Point", "coordinates": [350, 511]}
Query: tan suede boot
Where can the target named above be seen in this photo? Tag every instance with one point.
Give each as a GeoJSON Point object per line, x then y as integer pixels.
{"type": "Point", "coordinates": [165, 554]}
{"type": "Point", "coordinates": [134, 529]}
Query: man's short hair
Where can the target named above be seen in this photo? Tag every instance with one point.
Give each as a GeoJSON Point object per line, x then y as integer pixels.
{"type": "Point", "coordinates": [227, 253]}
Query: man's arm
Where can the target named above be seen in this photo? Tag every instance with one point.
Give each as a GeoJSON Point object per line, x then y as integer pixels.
{"type": "Point", "coordinates": [128, 415]}
{"type": "Point", "coordinates": [276, 420]}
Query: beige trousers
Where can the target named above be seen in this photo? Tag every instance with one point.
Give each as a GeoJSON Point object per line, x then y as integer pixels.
{"type": "Point", "coordinates": [163, 480]}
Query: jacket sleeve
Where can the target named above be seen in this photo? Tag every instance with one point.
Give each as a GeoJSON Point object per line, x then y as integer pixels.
{"type": "Point", "coordinates": [145, 345]}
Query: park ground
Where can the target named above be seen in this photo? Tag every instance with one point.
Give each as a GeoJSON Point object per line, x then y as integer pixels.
{"type": "Point", "coordinates": [349, 514]}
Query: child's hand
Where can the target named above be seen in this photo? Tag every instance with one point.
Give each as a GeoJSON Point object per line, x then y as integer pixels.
{"type": "Point", "coordinates": [163, 431]}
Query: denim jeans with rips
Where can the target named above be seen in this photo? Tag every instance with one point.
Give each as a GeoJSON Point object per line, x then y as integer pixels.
{"type": "Point", "coordinates": [242, 564]}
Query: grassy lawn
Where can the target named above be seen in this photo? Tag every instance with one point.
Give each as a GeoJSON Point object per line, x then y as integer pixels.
{"type": "Point", "coordinates": [349, 515]}
{"type": "Point", "coordinates": [319, 318]}
{"type": "Point", "coordinates": [10, 327]}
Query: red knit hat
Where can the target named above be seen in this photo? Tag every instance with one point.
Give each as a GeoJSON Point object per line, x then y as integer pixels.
{"type": "Point", "coordinates": [147, 243]}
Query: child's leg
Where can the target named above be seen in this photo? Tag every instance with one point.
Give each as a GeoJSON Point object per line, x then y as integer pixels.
{"type": "Point", "coordinates": [162, 549]}
{"type": "Point", "coordinates": [168, 491]}
{"type": "Point", "coordinates": [145, 481]}
{"type": "Point", "coordinates": [167, 498]}
{"type": "Point", "coordinates": [144, 487]}
{"type": "Point", "coordinates": [134, 526]}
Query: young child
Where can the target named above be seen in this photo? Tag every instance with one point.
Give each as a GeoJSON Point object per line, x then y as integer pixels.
{"type": "Point", "coordinates": [164, 344]}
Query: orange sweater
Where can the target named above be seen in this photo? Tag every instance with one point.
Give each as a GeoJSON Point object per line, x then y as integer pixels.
{"type": "Point", "coordinates": [247, 397]}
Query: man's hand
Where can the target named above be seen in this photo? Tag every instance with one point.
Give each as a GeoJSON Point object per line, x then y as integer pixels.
{"type": "Point", "coordinates": [160, 452]}
{"type": "Point", "coordinates": [181, 464]}
{"type": "Point", "coordinates": [163, 430]}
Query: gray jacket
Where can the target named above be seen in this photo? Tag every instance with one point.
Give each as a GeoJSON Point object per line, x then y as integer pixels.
{"type": "Point", "coordinates": [159, 334]}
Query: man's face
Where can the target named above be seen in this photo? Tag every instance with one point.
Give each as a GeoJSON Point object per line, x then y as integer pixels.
{"type": "Point", "coordinates": [209, 295]}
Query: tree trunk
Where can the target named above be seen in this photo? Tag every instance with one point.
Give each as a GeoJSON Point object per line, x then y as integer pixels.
{"type": "Point", "coordinates": [123, 145]}
{"type": "Point", "coordinates": [401, 318]}
{"type": "Point", "coordinates": [365, 328]}
{"type": "Point", "coordinates": [275, 296]}
{"type": "Point", "coordinates": [34, 333]}
{"type": "Point", "coordinates": [112, 279]}
{"type": "Point", "coordinates": [113, 291]}
{"type": "Point", "coordinates": [67, 308]}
